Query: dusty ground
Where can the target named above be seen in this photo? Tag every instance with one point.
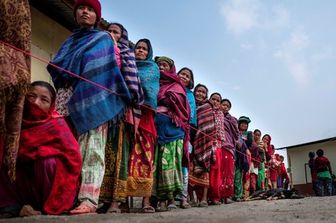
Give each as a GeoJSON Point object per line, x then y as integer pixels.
{"type": "Point", "coordinates": [311, 209]}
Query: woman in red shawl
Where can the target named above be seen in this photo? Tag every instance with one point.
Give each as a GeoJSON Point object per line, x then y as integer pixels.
{"type": "Point", "coordinates": [49, 160]}
{"type": "Point", "coordinates": [172, 124]}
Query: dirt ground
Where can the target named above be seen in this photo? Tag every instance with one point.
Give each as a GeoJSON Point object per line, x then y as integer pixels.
{"type": "Point", "coordinates": [310, 209]}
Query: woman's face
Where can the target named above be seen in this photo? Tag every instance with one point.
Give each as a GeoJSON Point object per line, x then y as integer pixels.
{"type": "Point", "coordinates": [266, 139]}
{"type": "Point", "coordinates": [115, 30]}
{"type": "Point", "coordinates": [40, 96]}
{"type": "Point", "coordinates": [141, 51]}
{"type": "Point", "coordinates": [225, 106]}
{"type": "Point", "coordinates": [257, 136]}
{"type": "Point", "coordinates": [86, 16]}
{"type": "Point", "coordinates": [243, 126]}
{"type": "Point", "coordinates": [215, 100]}
{"type": "Point", "coordinates": [164, 66]}
{"type": "Point", "coordinates": [200, 94]}
{"type": "Point", "coordinates": [185, 77]}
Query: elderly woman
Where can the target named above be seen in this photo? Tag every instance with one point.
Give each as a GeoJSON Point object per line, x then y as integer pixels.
{"type": "Point", "coordinates": [172, 124]}
{"type": "Point", "coordinates": [98, 99]}
{"type": "Point", "coordinates": [49, 160]}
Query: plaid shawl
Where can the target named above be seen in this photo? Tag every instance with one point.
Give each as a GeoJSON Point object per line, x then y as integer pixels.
{"type": "Point", "coordinates": [46, 135]}
{"type": "Point", "coordinates": [204, 140]}
{"type": "Point", "coordinates": [88, 53]}
{"type": "Point", "coordinates": [149, 74]}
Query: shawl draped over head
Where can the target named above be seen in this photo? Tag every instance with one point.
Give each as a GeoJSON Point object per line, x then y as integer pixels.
{"type": "Point", "coordinates": [192, 104]}
{"type": "Point", "coordinates": [87, 52]}
{"type": "Point", "coordinates": [172, 95]}
{"type": "Point", "coordinates": [206, 133]}
{"type": "Point", "coordinates": [269, 151]}
{"type": "Point", "coordinates": [46, 135]}
{"type": "Point", "coordinates": [149, 75]}
{"type": "Point", "coordinates": [129, 69]}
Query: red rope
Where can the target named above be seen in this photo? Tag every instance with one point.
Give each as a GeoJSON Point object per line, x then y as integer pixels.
{"type": "Point", "coordinates": [102, 87]}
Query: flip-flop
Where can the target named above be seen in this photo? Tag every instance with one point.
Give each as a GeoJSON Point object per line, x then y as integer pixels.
{"type": "Point", "coordinates": [203, 204]}
{"type": "Point", "coordinates": [185, 206]}
{"type": "Point", "coordinates": [172, 206]}
{"type": "Point", "coordinates": [83, 209]}
{"type": "Point", "coordinates": [148, 209]}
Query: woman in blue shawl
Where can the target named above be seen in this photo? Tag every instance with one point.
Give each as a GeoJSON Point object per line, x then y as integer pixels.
{"type": "Point", "coordinates": [140, 175]}
{"type": "Point", "coordinates": [87, 53]}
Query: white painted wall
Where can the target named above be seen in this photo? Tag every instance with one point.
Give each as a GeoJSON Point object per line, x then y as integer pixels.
{"type": "Point", "coordinates": [47, 37]}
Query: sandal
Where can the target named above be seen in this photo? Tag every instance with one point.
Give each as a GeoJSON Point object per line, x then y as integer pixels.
{"type": "Point", "coordinates": [162, 207]}
{"type": "Point", "coordinates": [216, 203]}
{"type": "Point", "coordinates": [203, 204]}
{"type": "Point", "coordinates": [185, 206]}
{"type": "Point", "coordinates": [83, 208]}
{"type": "Point", "coordinates": [172, 206]}
{"type": "Point", "coordinates": [147, 209]}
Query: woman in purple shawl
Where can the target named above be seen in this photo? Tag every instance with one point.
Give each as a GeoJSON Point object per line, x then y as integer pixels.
{"type": "Point", "coordinates": [172, 123]}
{"type": "Point", "coordinates": [231, 137]}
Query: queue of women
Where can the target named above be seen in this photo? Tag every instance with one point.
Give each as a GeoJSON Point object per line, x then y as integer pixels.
{"type": "Point", "coordinates": [130, 127]}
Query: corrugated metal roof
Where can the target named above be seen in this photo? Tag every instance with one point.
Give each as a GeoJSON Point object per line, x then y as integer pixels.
{"type": "Point", "coordinates": [308, 143]}
{"type": "Point", "coordinates": [62, 12]}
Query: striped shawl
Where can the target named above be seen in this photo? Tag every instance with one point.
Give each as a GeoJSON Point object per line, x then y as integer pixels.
{"type": "Point", "coordinates": [204, 139]}
{"type": "Point", "coordinates": [88, 53]}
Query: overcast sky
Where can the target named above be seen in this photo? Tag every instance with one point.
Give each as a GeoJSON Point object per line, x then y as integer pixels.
{"type": "Point", "coordinates": [275, 60]}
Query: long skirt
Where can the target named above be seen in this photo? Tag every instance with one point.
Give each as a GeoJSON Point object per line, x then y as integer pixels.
{"type": "Point", "coordinates": [227, 187]}
{"type": "Point", "coordinates": [216, 178]}
{"type": "Point", "coordinates": [197, 182]}
{"type": "Point", "coordinates": [92, 146]}
{"type": "Point", "coordinates": [140, 177]}
{"type": "Point", "coordinates": [169, 170]}
{"type": "Point", "coordinates": [141, 162]}
{"type": "Point", "coordinates": [114, 186]}
{"type": "Point", "coordinates": [32, 186]}
{"type": "Point", "coordinates": [261, 177]}
{"type": "Point", "coordinates": [238, 182]}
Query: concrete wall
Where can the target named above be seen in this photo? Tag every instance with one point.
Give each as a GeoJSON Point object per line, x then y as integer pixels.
{"type": "Point", "coordinates": [47, 37]}
{"type": "Point", "coordinates": [297, 157]}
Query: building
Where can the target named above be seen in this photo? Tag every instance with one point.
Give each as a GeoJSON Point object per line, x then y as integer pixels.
{"type": "Point", "coordinates": [297, 156]}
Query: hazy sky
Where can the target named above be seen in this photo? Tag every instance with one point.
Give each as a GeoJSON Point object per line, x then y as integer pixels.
{"type": "Point", "coordinates": [275, 60]}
